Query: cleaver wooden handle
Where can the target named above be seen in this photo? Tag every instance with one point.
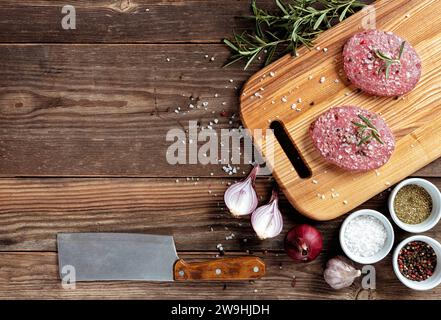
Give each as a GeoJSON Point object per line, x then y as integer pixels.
{"type": "Point", "coordinates": [225, 269]}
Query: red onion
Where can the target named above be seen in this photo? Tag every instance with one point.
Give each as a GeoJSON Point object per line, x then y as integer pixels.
{"type": "Point", "coordinates": [241, 198]}
{"type": "Point", "coordinates": [267, 220]}
{"type": "Point", "coordinates": [303, 243]}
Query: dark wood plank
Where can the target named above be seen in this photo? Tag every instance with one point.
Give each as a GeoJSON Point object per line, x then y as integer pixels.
{"type": "Point", "coordinates": [124, 21]}
{"type": "Point", "coordinates": [33, 211]}
{"type": "Point", "coordinates": [87, 110]}
{"type": "Point", "coordinates": [34, 275]}
{"type": "Point", "coordinates": [105, 110]}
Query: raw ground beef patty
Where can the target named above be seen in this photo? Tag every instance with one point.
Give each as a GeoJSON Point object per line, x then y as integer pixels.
{"type": "Point", "coordinates": [366, 70]}
{"type": "Point", "coordinates": [340, 137]}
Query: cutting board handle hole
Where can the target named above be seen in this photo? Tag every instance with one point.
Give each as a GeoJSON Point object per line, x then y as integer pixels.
{"type": "Point", "coordinates": [290, 150]}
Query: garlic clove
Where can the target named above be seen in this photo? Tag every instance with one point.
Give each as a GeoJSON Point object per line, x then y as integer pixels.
{"type": "Point", "coordinates": [241, 198]}
{"type": "Point", "coordinates": [339, 273]}
{"type": "Point", "coordinates": [267, 220]}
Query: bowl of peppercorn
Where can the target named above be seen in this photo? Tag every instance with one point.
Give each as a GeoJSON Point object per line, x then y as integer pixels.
{"type": "Point", "coordinates": [417, 262]}
{"type": "Point", "coordinates": [415, 205]}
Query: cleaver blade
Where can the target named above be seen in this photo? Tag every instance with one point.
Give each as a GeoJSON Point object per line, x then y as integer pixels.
{"type": "Point", "coordinates": [143, 257]}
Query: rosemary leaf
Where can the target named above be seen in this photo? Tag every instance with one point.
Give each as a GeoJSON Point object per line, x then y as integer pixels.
{"type": "Point", "coordinates": [319, 21]}
{"type": "Point", "coordinates": [367, 125]}
{"type": "Point", "coordinates": [293, 24]}
{"type": "Point", "coordinates": [389, 61]}
{"type": "Point", "coordinates": [358, 124]}
{"type": "Point", "coordinates": [367, 121]}
{"type": "Point", "coordinates": [401, 50]}
{"type": "Point", "coordinates": [343, 14]}
{"type": "Point", "coordinates": [377, 137]}
{"type": "Point", "coordinates": [365, 139]}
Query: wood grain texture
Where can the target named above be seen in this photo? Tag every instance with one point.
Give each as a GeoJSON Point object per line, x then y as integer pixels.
{"type": "Point", "coordinates": [31, 275]}
{"type": "Point", "coordinates": [124, 21]}
{"type": "Point", "coordinates": [101, 108]}
{"type": "Point", "coordinates": [86, 110]}
{"type": "Point", "coordinates": [222, 269]}
{"type": "Point", "coordinates": [414, 119]}
{"type": "Point", "coordinates": [33, 211]}
{"type": "Point", "coordinates": [91, 111]}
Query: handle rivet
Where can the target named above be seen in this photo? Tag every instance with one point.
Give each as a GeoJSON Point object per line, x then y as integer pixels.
{"type": "Point", "coordinates": [181, 273]}
{"type": "Point", "coordinates": [218, 271]}
{"type": "Point", "coordinates": [256, 269]}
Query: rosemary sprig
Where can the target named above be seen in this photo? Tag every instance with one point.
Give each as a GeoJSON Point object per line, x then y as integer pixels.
{"type": "Point", "coordinates": [388, 61]}
{"type": "Point", "coordinates": [294, 24]}
{"type": "Point", "coordinates": [367, 125]}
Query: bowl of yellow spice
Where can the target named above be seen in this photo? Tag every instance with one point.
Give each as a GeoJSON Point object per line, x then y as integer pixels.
{"type": "Point", "coordinates": [415, 205]}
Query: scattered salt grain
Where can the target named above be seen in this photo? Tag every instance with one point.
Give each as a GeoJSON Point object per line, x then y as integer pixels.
{"type": "Point", "coordinates": [322, 80]}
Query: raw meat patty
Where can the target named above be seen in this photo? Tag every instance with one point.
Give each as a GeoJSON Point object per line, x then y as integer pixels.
{"type": "Point", "coordinates": [367, 71]}
{"type": "Point", "coordinates": [338, 138]}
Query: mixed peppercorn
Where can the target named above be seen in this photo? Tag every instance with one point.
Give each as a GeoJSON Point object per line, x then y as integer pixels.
{"type": "Point", "coordinates": [417, 261]}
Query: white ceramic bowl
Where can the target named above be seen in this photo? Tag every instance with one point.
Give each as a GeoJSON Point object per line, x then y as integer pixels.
{"type": "Point", "coordinates": [428, 284]}
{"type": "Point", "coordinates": [387, 246]}
{"type": "Point", "coordinates": [434, 217]}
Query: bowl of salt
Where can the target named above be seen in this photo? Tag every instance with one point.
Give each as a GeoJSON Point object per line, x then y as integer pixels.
{"type": "Point", "coordinates": [366, 236]}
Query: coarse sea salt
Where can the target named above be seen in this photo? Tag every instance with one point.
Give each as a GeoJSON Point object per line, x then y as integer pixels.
{"type": "Point", "coordinates": [365, 236]}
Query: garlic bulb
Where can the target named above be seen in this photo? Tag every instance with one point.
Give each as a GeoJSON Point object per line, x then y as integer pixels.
{"type": "Point", "coordinates": [241, 198]}
{"type": "Point", "coordinates": [339, 273]}
{"type": "Point", "coordinates": [267, 220]}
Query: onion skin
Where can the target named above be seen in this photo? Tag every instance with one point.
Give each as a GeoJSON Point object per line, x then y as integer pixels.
{"type": "Point", "coordinates": [303, 243]}
{"type": "Point", "coordinates": [267, 220]}
{"type": "Point", "coordinates": [241, 197]}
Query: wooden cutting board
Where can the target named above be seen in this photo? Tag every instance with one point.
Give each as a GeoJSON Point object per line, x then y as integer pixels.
{"type": "Point", "coordinates": [415, 119]}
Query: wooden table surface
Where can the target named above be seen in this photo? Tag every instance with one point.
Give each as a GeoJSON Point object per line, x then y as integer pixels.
{"type": "Point", "coordinates": [83, 119]}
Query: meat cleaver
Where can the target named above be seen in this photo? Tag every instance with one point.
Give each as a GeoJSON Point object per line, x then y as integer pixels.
{"type": "Point", "coordinates": [122, 256]}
